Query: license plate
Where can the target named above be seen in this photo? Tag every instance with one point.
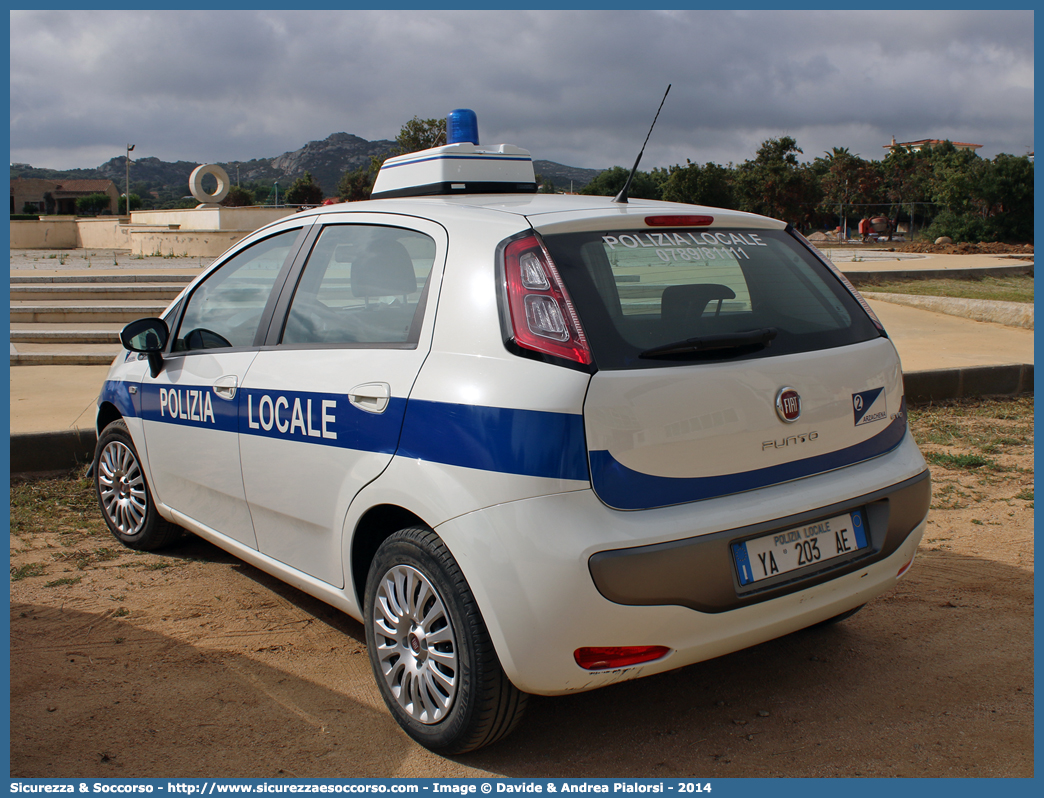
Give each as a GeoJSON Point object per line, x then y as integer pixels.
{"type": "Point", "coordinates": [811, 544]}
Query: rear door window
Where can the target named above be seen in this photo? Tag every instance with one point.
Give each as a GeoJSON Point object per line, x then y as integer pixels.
{"type": "Point", "coordinates": [636, 291]}
{"type": "Point", "coordinates": [363, 284]}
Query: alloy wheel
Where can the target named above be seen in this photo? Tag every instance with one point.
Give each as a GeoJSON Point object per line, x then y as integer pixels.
{"type": "Point", "coordinates": [416, 645]}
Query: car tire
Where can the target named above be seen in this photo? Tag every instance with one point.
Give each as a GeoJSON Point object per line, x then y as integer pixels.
{"type": "Point", "coordinates": [123, 493]}
{"type": "Point", "coordinates": [430, 650]}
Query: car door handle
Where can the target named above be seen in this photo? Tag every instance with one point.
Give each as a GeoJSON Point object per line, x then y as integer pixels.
{"type": "Point", "coordinates": [225, 387]}
{"type": "Point", "coordinates": [373, 397]}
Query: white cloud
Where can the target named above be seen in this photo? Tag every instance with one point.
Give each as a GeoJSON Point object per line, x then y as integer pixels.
{"type": "Point", "coordinates": [578, 87]}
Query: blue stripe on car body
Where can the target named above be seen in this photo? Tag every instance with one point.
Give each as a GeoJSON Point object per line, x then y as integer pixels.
{"type": "Point", "coordinates": [529, 442]}
{"type": "Point", "coordinates": [504, 440]}
{"type": "Point", "coordinates": [117, 392]}
{"type": "Point", "coordinates": [526, 442]}
{"type": "Point", "coordinates": [625, 489]}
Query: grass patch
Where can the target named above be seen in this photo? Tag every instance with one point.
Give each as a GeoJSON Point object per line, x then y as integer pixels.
{"type": "Point", "coordinates": [1015, 288]}
{"type": "Point", "coordinates": [82, 559]}
{"type": "Point", "coordinates": [988, 427]}
{"type": "Point", "coordinates": [948, 496]}
{"type": "Point", "coordinates": [65, 580]}
{"type": "Point", "coordinates": [66, 505]}
{"type": "Point", "coordinates": [26, 571]}
{"type": "Point", "coordinates": [962, 462]}
{"type": "Point", "coordinates": [976, 438]}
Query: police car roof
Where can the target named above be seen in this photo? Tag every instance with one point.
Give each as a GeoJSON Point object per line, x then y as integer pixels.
{"type": "Point", "coordinates": [565, 207]}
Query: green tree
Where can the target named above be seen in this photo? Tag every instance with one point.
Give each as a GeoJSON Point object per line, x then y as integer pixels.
{"type": "Point", "coordinates": [421, 134]}
{"type": "Point", "coordinates": [135, 203]}
{"type": "Point", "coordinates": [141, 187]}
{"type": "Point", "coordinates": [261, 189]}
{"type": "Point", "coordinates": [955, 177]}
{"type": "Point", "coordinates": [416, 135]}
{"type": "Point", "coordinates": [239, 197]}
{"type": "Point", "coordinates": [710, 184]}
{"type": "Point", "coordinates": [847, 179]}
{"type": "Point", "coordinates": [775, 184]}
{"type": "Point", "coordinates": [905, 175]}
{"type": "Point", "coordinates": [92, 204]}
{"type": "Point", "coordinates": [304, 191]}
{"type": "Point", "coordinates": [1010, 194]}
{"type": "Point", "coordinates": [355, 185]}
{"type": "Point", "coordinates": [609, 182]}
{"type": "Point", "coordinates": [980, 200]}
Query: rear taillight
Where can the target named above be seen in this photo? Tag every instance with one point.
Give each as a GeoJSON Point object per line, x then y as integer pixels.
{"type": "Point", "coordinates": [602, 657]}
{"type": "Point", "coordinates": [543, 318]}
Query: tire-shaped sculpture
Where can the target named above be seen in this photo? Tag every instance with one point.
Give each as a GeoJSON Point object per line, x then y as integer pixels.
{"type": "Point", "coordinates": [196, 183]}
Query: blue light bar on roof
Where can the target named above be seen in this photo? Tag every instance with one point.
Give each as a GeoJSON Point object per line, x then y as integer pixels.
{"type": "Point", "coordinates": [462, 126]}
{"type": "Point", "coordinates": [460, 166]}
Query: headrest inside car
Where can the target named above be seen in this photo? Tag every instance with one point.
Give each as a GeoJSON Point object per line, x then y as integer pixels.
{"type": "Point", "coordinates": [384, 270]}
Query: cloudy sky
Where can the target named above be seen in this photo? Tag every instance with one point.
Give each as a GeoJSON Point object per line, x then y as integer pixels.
{"type": "Point", "coordinates": [577, 87]}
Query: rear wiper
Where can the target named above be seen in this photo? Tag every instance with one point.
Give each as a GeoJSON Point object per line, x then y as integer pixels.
{"type": "Point", "coordinates": [714, 343]}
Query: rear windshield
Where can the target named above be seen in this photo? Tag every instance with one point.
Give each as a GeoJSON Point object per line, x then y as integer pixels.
{"type": "Point", "coordinates": [643, 294]}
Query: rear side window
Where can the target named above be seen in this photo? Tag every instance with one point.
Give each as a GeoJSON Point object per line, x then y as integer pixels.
{"type": "Point", "coordinates": [637, 291]}
{"type": "Point", "coordinates": [363, 284]}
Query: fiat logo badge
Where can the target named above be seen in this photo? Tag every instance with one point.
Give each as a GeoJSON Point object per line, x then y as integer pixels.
{"type": "Point", "coordinates": [788, 405]}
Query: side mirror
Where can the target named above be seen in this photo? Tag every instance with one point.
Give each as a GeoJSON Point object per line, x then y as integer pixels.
{"type": "Point", "coordinates": [148, 336]}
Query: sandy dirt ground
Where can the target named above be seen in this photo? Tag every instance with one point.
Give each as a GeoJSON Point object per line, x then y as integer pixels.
{"type": "Point", "coordinates": [189, 663]}
{"type": "Point", "coordinates": [968, 248]}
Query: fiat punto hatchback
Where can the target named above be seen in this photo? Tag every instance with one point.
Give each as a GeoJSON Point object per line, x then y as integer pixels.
{"type": "Point", "coordinates": [537, 444]}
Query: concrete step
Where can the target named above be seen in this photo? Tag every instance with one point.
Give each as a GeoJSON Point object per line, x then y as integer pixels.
{"type": "Point", "coordinates": [91, 291]}
{"type": "Point", "coordinates": [64, 354]}
{"type": "Point", "coordinates": [37, 334]}
{"type": "Point", "coordinates": [74, 318]}
{"type": "Point", "coordinates": [63, 311]}
{"type": "Point", "coordinates": [96, 277]}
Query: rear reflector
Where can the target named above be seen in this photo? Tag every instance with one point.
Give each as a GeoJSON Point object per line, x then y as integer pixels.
{"type": "Point", "coordinates": [905, 568]}
{"type": "Point", "coordinates": [595, 659]}
{"type": "Point", "coordinates": [543, 318]}
{"type": "Point", "coordinates": [679, 221]}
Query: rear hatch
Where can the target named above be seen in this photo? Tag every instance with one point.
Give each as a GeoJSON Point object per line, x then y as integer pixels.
{"type": "Point", "coordinates": [728, 357]}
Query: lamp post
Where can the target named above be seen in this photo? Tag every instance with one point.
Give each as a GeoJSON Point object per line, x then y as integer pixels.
{"type": "Point", "coordinates": [130, 149]}
{"type": "Point", "coordinates": [275, 203]}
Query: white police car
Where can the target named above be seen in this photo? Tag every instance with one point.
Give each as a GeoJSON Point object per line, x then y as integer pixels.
{"type": "Point", "coordinates": [536, 444]}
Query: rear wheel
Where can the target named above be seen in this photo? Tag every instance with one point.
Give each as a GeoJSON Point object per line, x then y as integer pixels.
{"type": "Point", "coordinates": [431, 654]}
{"type": "Point", "coordinates": [123, 493]}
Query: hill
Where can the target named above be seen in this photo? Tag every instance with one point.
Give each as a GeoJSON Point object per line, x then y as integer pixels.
{"type": "Point", "coordinates": [327, 160]}
{"type": "Point", "coordinates": [565, 178]}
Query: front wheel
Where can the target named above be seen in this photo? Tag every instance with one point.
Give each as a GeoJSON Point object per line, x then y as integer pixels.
{"type": "Point", "coordinates": [431, 654]}
{"type": "Point", "coordinates": [123, 493]}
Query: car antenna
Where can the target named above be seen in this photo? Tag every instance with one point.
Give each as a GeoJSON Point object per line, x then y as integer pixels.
{"type": "Point", "coordinates": [622, 196]}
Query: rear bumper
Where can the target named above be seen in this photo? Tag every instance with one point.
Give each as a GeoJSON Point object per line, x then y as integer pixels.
{"type": "Point", "coordinates": [531, 566]}
{"type": "Point", "coordinates": [698, 572]}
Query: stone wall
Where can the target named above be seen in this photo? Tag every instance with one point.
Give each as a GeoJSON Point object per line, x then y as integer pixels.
{"type": "Point", "coordinates": [202, 232]}
{"type": "Point", "coordinates": [50, 232]}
